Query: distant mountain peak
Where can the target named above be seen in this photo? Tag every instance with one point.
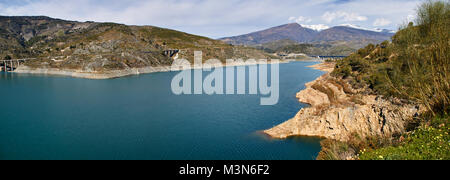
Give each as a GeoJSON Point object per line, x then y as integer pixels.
{"type": "Point", "coordinates": [316, 27]}
{"type": "Point", "coordinates": [367, 29]}
{"type": "Point", "coordinates": [292, 31]}
{"type": "Point", "coordinates": [292, 24]}
{"type": "Point", "coordinates": [285, 26]}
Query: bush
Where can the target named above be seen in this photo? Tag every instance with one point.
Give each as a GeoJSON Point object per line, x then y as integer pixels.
{"type": "Point", "coordinates": [414, 66]}
{"type": "Point", "coordinates": [426, 143]}
{"type": "Point", "coordinates": [342, 70]}
{"type": "Point", "coordinates": [326, 90]}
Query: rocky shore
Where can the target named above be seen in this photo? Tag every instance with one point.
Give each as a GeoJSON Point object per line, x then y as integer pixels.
{"type": "Point", "coordinates": [91, 75]}
{"type": "Point", "coordinates": [119, 73]}
{"type": "Point", "coordinates": [338, 112]}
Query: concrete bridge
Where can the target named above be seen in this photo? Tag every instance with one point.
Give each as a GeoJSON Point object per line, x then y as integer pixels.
{"type": "Point", "coordinates": [11, 65]}
{"type": "Point", "coordinates": [328, 57]}
{"type": "Point", "coordinates": [171, 52]}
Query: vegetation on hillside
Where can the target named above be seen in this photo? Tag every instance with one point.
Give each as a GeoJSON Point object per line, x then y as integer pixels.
{"type": "Point", "coordinates": [283, 46]}
{"type": "Point", "coordinates": [100, 47]}
{"type": "Point", "coordinates": [425, 143]}
{"type": "Point", "coordinates": [415, 68]}
{"type": "Point", "coordinates": [336, 48]}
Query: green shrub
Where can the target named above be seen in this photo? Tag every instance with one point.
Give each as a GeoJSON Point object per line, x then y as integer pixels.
{"type": "Point", "coordinates": [326, 90]}
{"type": "Point", "coordinates": [414, 67]}
{"type": "Point", "coordinates": [425, 143]}
{"type": "Point", "coordinates": [342, 70]}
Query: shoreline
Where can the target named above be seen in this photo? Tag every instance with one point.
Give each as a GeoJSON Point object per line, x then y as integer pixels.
{"type": "Point", "coordinates": [128, 72]}
{"type": "Point", "coordinates": [274, 132]}
{"type": "Point", "coordinates": [338, 112]}
{"type": "Point", "coordinates": [324, 66]}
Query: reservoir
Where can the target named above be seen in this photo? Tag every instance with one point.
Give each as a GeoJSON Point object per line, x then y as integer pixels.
{"type": "Point", "coordinates": [139, 118]}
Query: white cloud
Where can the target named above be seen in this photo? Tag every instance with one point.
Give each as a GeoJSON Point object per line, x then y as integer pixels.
{"type": "Point", "coordinates": [382, 22]}
{"type": "Point", "coordinates": [410, 18]}
{"type": "Point", "coordinates": [217, 18]}
{"type": "Point", "coordinates": [342, 16]}
{"type": "Point", "coordinates": [300, 19]}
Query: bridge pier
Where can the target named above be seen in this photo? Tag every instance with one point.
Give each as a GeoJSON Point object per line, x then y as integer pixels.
{"type": "Point", "coordinates": [11, 65]}
{"type": "Point", "coordinates": [328, 57]}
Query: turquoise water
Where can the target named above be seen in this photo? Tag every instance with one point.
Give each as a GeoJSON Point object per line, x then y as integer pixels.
{"type": "Point", "coordinates": [138, 117]}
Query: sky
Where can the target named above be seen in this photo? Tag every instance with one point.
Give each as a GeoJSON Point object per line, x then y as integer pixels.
{"type": "Point", "coordinates": [222, 18]}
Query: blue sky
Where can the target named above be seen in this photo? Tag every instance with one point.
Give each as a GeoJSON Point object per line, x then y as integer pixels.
{"type": "Point", "coordinates": [221, 18]}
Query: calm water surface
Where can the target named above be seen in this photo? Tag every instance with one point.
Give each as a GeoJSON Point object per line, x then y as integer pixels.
{"type": "Point", "coordinates": [138, 117]}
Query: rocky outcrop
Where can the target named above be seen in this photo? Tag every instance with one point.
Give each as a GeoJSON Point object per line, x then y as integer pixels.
{"type": "Point", "coordinates": [339, 112]}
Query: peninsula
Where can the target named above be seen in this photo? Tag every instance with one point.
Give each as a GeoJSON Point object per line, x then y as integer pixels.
{"type": "Point", "coordinates": [386, 101]}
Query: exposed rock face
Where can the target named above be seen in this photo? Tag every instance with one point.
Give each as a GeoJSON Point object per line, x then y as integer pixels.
{"type": "Point", "coordinates": [339, 112]}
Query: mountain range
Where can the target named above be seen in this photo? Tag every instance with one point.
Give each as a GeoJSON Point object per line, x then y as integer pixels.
{"type": "Point", "coordinates": [94, 46]}
{"type": "Point", "coordinates": [300, 34]}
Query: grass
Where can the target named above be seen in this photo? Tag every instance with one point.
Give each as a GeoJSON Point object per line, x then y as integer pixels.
{"type": "Point", "coordinates": [333, 150]}
{"type": "Point", "coordinates": [338, 150]}
{"type": "Point", "coordinates": [425, 143]}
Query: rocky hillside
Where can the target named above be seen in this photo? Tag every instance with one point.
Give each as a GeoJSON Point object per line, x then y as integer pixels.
{"type": "Point", "coordinates": [340, 112]}
{"type": "Point", "coordinates": [100, 47]}
{"type": "Point", "coordinates": [299, 34]}
{"type": "Point", "coordinates": [17, 34]}
{"type": "Point", "coordinates": [345, 33]}
{"type": "Point", "coordinates": [294, 32]}
{"type": "Point", "coordinates": [335, 48]}
{"type": "Point", "coordinates": [384, 102]}
{"type": "Point", "coordinates": [339, 40]}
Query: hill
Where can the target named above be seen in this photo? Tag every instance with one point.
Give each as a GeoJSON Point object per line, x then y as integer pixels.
{"type": "Point", "coordinates": [98, 47]}
{"type": "Point", "coordinates": [332, 48]}
{"type": "Point", "coordinates": [339, 40]}
{"type": "Point", "coordinates": [347, 33]}
{"type": "Point", "coordinates": [412, 69]}
{"type": "Point", "coordinates": [292, 31]}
